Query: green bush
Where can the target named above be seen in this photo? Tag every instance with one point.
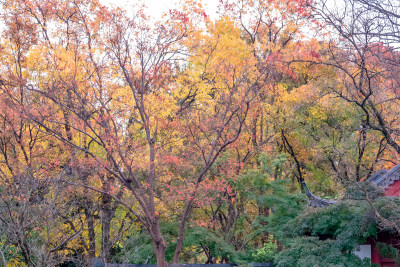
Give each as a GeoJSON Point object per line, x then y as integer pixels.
{"type": "Point", "coordinates": [266, 253]}
{"type": "Point", "coordinates": [388, 251]}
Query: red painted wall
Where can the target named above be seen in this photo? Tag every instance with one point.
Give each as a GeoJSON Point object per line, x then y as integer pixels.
{"type": "Point", "coordinates": [375, 258]}
{"type": "Point", "coordinates": [393, 189]}
{"type": "Point", "coordinates": [374, 253]}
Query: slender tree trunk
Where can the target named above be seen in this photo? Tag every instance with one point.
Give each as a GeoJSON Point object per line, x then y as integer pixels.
{"type": "Point", "coordinates": [158, 243]}
{"type": "Point", "coordinates": [3, 259]}
{"type": "Point", "coordinates": [160, 255]}
{"type": "Point", "coordinates": [179, 241]}
{"type": "Point", "coordinates": [106, 228]}
{"type": "Point", "coordinates": [107, 210]}
{"type": "Point", "coordinates": [92, 234]}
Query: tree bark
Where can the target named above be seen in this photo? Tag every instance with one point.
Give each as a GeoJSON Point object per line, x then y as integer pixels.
{"type": "Point", "coordinates": [158, 243]}
{"type": "Point", "coordinates": [92, 234]}
{"type": "Point", "coordinates": [107, 215]}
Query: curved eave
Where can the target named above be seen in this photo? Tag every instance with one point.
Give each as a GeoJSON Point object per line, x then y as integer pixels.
{"type": "Point", "coordinates": [315, 201]}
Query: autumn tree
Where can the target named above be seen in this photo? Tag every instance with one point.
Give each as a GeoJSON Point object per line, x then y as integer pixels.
{"type": "Point", "coordinates": [364, 61]}
{"type": "Point", "coordinates": [24, 146]}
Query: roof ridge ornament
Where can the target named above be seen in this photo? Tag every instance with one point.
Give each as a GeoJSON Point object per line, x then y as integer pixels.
{"type": "Point", "coordinates": [315, 201]}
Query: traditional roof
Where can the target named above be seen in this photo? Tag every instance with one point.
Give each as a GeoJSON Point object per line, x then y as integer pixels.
{"type": "Point", "coordinates": [376, 176]}
{"type": "Point", "coordinates": [382, 178]}
{"type": "Point", "coordinates": [315, 201]}
{"type": "Point", "coordinates": [385, 178]}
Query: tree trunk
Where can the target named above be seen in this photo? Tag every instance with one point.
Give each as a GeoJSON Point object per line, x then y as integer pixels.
{"type": "Point", "coordinates": [106, 227]}
{"type": "Point", "coordinates": [158, 242]}
{"type": "Point", "coordinates": [3, 259]}
{"type": "Point", "coordinates": [160, 255]}
{"type": "Point", "coordinates": [92, 234]}
{"type": "Point", "coordinates": [107, 210]}
{"type": "Point", "coordinates": [159, 250]}
{"type": "Point", "coordinates": [179, 241]}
